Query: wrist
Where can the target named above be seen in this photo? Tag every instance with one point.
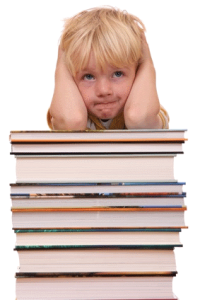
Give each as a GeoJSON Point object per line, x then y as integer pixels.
{"type": "Point", "coordinates": [147, 62]}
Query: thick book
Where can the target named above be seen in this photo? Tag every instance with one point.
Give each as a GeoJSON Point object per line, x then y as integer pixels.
{"type": "Point", "coordinates": [100, 237]}
{"type": "Point", "coordinates": [71, 286]}
{"type": "Point", "coordinates": [102, 217]}
{"type": "Point", "coordinates": [27, 189]}
{"type": "Point", "coordinates": [84, 168]}
{"type": "Point", "coordinates": [101, 259]}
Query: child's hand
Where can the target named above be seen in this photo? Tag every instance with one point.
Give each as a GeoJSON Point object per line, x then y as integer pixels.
{"type": "Point", "coordinates": [146, 55]}
{"type": "Point", "coordinates": [61, 55]}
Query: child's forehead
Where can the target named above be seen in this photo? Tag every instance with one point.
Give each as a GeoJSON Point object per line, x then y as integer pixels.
{"type": "Point", "coordinates": [92, 63]}
{"type": "Point", "coordinates": [94, 66]}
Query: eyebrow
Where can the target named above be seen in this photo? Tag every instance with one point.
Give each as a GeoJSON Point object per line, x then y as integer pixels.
{"type": "Point", "coordinates": [93, 70]}
{"type": "Point", "coordinates": [87, 70]}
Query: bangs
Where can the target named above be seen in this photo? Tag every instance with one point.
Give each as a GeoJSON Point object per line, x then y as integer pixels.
{"type": "Point", "coordinates": [116, 46]}
{"type": "Point", "coordinates": [113, 36]}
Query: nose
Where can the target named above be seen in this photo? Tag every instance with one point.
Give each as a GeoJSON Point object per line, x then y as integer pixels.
{"type": "Point", "coordinates": [103, 87]}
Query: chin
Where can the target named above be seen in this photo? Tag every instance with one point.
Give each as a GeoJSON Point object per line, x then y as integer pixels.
{"type": "Point", "coordinates": [106, 115]}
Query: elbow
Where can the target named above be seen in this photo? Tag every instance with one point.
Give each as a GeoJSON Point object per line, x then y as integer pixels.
{"type": "Point", "coordinates": [143, 119]}
{"type": "Point", "coordinates": [134, 120]}
{"type": "Point", "coordinates": [77, 122]}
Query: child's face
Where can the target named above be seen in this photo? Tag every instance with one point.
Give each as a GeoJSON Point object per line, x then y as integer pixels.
{"type": "Point", "coordinates": [105, 92]}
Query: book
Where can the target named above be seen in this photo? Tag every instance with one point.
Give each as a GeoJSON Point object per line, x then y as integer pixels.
{"type": "Point", "coordinates": [96, 259]}
{"type": "Point", "coordinates": [98, 135]}
{"type": "Point", "coordinates": [67, 286]}
{"type": "Point", "coordinates": [98, 200]}
{"type": "Point", "coordinates": [165, 147]}
{"type": "Point", "coordinates": [96, 236]}
{"type": "Point", "coordinates": [27, 189]}
{"type": "Point", "coordinates": [84, 168]}
{"type": "Point", "coordinates": [101, 217]}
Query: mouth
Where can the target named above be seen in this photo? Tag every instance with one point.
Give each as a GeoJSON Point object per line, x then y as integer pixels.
{"type": "Point", "coordinates": [109, 104]}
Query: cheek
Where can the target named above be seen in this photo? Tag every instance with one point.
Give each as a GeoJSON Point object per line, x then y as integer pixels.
{"type": "Point", "coordinates": [87, 96]}
{"type": "Point", "coordinates": [129, 90]}
{"type": "Point", "coordinates": [129, 85]}
{"type": "Point", "coordinates": [125, 91]}
{"type": "Point", "coordinates": [84, 92]}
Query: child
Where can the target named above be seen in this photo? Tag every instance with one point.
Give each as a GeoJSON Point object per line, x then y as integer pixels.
{"type": "Point", "coordinates": [105, 77]}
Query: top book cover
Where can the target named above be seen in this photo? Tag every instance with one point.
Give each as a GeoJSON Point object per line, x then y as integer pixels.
{"type": "Point", "coordinates": [144, 135]}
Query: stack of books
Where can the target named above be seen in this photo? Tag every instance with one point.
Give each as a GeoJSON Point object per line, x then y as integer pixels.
{"type": "Point", "coordinates": [97, 214]}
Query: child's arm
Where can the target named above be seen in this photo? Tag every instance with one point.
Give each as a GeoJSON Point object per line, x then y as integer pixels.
{"type": "Point", "coordinates": [142, 106]}
{"type": "Point", "coordinates": [67, 110]}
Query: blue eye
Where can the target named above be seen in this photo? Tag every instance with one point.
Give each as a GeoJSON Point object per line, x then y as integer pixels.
{"type": "Point", "coordinates": [88, 77]}
{"type": "Point", "coordinates": [118, 74]}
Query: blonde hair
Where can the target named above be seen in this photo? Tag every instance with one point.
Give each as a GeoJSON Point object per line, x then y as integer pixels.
{"type": "Point", "coordinates": [113, 35]}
